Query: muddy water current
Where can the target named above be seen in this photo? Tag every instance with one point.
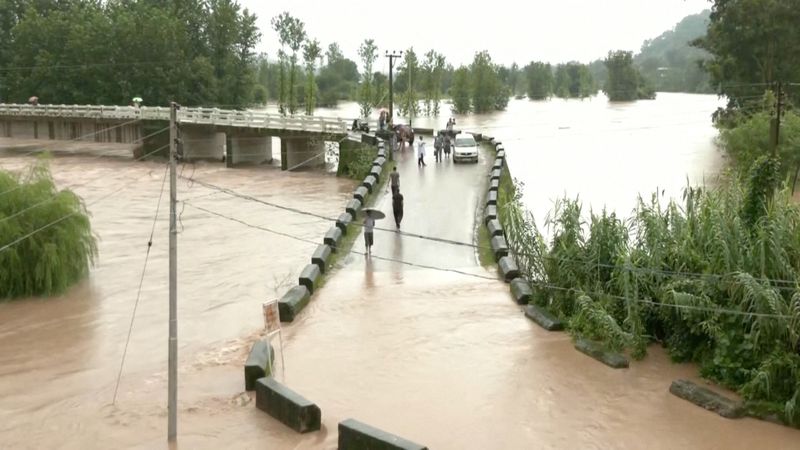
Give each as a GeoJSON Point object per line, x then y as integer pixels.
{"type": "Point", "coordinates": [418, 339]}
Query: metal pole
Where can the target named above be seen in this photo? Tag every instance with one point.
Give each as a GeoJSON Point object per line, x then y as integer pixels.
{"type": "Point", "coordinates": [391, 91]}
{"type": "Point", "coordinates": [173, 277]}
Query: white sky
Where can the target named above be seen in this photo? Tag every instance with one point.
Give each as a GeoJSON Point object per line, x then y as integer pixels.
{"type": "Point", "coordinates": [512, 30]}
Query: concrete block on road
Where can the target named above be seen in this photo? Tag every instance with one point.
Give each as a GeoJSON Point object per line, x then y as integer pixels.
{"type": "Point", "coordinates": [369, 182]}
{"type": "Point", "coordinates": [310, 276]}
{"type": "Point", "coordinates": [376, 172]}
{"type": "Point", "coordinates": [343, 221]}
{"type": "Point", "coordinates": [355, 435]}
{"type": "Point", "coordinates": [360, 194]}
{"type": "Point", "coordinates": [381, 151]}
{"type": "Point", "coordinates": [501, 153]}
{"type": "Point", "coordinates": [333, 237]}
{"type": "Point", "coordinates": [498, 163]}
{"type": "Point", "coordinates": [707, 399]}
{"type": "Point", "coordinates": [491, 198]}
{"type": "Point", "coordinates": [258, 363]}
{"type": "Point", "coordinates": [496, 174]}
{"type": "Point", "coordinates": [543, 318]}
{"type": "Point", "coordinates": [286, 405]}
{"type": "Point", "coordinates": [292, 302]}
{"type": "Point", "coordinates": [487, 138]}
{"type": "Point", "coordinates": [494, 185]}
{"type": "Point", "coordinates": [494, 227]}
{"type": "Point", "coordinates": [499, 147]}
{"type": "Point", "coordinates": [596, 351]}
{"type": "Point", "coordinates": [379, 161]}
{"type": "Point", "coordinates": [499, 247]}
{"type": "Point", "coordinates": [321, 256]}
{"type": "Point", "coordinates": [353, 207]}
{"type": "Point", "coordinates": [508, 268]}
{"type": "Point", "coordinates": [490, 213]}
{"type": "Point", "coordinates": [521, 291]}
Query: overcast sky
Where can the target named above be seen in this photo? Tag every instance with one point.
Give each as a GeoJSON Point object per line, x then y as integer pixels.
{"type": "Point", "coordinates": [512, 30]}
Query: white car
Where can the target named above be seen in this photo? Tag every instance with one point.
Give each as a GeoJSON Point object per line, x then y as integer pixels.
{"type": "Point", "coordinates": [465, 149]}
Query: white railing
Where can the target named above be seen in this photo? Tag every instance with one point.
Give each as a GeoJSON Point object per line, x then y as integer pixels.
{"type": "Point", "coordinates": [210, 116]}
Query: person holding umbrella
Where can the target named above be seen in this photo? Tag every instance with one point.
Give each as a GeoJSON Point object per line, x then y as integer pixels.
{"type": "Point", "coordinates": [369, 225]}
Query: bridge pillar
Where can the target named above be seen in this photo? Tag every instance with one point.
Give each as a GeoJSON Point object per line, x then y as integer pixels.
{"type": "Point", "coordinates": [202, 142]}
{"type": "Point", "coordinates": [247, 147]}
{"type": "Point", "coordinates": [302, 152]}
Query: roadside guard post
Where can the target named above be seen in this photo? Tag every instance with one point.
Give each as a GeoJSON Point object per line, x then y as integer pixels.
{"type": "Point", "coordinates": [272, 325]}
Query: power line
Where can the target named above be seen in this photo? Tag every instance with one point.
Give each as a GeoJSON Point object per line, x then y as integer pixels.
{"type": "Point", "coordinates": [141, 283]}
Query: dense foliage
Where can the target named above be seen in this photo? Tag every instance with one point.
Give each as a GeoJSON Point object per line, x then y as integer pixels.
{"type": "Point", "coordinates": [624, 82]}
{"type": "Point", "coordinates": [197, 52]}
{"type": "Point", "coordinates": [753, 43]}
{"type": "Point", "coordinates": [713, 278]}
{"type": "Point", "coordinates": [670, 61]}
{"type": "Point", "coordinates": [63, 247]}
{"type": "Point", "coordinates": [571, 80]}
{"type": "Point", "coordinates": [355, 160]}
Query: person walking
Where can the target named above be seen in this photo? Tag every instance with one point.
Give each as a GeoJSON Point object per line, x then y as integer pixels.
{"type": "Point", "coordinates": [369, 226]}
{"type": "Point", "coordinates": [397, 208]}
{"type": "Point", "coordinates": [421, 151]}
{"type": "Point", "coordinates": [437, 147]}
{"type": "Point", "coordinates": [395, 181]}
{"type": "Point", "coordinates": [446, 146]}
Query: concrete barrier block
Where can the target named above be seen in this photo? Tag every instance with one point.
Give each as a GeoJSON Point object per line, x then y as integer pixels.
{"type": "Point", "coordinates": [478, 136]}
{"type": "Point", "coordinates": [499, 247]}
{"type": "Point", "coordinates": [332, 237]}
{"type": "Point", "coordinates": [355, 435]}
{"type": "Point", "coordinates": [353, 207]}
{"type": "Point", "coordinates": [381, 151]}
{"type": "Point", "coordinates": [309, 277]}
{"type": "Point", "coordinates": [499, 147]}
{"type": "Point", "coordinates": [494, 185]}
{"type": "Point", "coordinates": [490, 213]}
{"type": "Point", "coordinates": [508, 268]}
{"type": "Point", "coordinates": [292, 302]}
{"type": "Point", "coordinates": [321, 256]}
{"type": "Point", "coordinates": [543, 318]}
{"type": "Point", "coordinates": [497, 143]}
{"type": "Point", "coordinates": [487, 138]}
{"type": "Point", "coordinates": [258, 363]}
{"type": "Point", "coordinates": [360, 194]}
{"type": "Point", "coordinates": [491, 198]}
{"type": "Point", "coordinates": [369, 182]}
{"type": "Point", "coordinates": [496, 174]}
{"type": "Point", "coordinates": [343, 221]}
{"type": "Point", "coordinates": [498, 163]}
{"type": "Point", "coordinates": [501, 154]}
{"type": "Point", "coordinates": [286, 405]}
{"type": "Point", "coordinates": [376, 172]}
{"type": "Point", "coordinates": [379, 161]}
{"type": "Point", "coordinates": [521, 291]}
{"type": "Point", "coordinates": [707, 399]}
{"type": "Point", "coordinates": [593, 349]}
{"type": "Point", "coordinates": [494, 227]}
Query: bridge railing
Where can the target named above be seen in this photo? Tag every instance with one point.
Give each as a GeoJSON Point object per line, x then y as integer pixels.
{"type": "Point", "coordinates": [209, 116]}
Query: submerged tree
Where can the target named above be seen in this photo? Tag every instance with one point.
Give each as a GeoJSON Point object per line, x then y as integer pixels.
{"type": "Point", "coordinates": [62, 247]}
{"type": "Point", "coordinates": [540, 80]}
{"type": "Point", "coordinates": [460, 91]}
{"type": "Point", "coordinates": [410, 72]}
{"type": "Point", "coordinates": [291, 32]}
{"type": "Point", "coordinates": [624, 81]}
{"type": "Point", "coordinates": [368, 52]}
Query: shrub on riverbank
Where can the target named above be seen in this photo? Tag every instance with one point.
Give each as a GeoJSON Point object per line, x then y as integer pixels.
{"type": "Point", "coordinates": [48, 234]}
{"type": "Point", "coordinates": [355, 160]}
{"type": "Point", "coordinates": [713, 277]}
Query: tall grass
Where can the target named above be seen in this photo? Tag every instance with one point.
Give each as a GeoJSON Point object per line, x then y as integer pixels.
{"type": "Point", "coordinates": [712, 276]}
{"type": "Point", "coordinates": [54, 258]}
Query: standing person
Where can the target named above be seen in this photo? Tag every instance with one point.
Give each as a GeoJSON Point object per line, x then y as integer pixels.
{"type": "Point", "coordinates": [395, 181]}
{"type": "Point", "coordinates": [421, 151]}
{"type": "Point", "coordinates": [437, 147]}
{"type": "Point", "coordinates": [446, 146]}
{"type": "Point", "coordinates": [369, 226]}
{"type": "Point", "coordinates": [382, 120]}
{"type": "Point", "coordinates": [397, 208]}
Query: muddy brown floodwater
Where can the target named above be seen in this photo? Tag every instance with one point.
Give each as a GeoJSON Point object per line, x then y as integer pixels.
{"type": "Point", "coordinates": [418, 340]}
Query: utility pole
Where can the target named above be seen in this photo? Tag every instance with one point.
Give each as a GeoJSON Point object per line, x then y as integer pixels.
{"type": "Point", "coordinates": [391, 57]}
{"type": "Point", "coordinates": [775, 124]}
{"type": "Point", "coordinates": [173, 277]}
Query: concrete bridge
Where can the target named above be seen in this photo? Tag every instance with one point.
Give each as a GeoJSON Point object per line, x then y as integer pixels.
{"type": "Point", "coordinates": [207, 133]}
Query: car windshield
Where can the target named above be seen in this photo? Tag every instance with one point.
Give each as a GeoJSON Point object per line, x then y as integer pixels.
{"type": "Point", "coordinates": [465, 142]}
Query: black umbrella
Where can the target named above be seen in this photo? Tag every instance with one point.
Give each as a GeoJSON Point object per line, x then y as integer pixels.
{"type": "Point", "coordinates": [374, 213]}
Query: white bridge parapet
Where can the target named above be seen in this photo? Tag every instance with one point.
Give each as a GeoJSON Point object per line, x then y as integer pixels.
{"type": "Point", "coordinates": [200, 116]}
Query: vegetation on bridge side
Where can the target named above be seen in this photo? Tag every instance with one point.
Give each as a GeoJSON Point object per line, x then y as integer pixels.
{"type": "Point", "coordinates": [62, 248]}
{"type": "Point", "coordinates": [355, 159]}
{"type": "Point", "coordinates": [713, 278]}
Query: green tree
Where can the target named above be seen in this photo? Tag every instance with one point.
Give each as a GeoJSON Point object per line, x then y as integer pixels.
{"type": "Point", "coordinates": [338, 79]}
{"type": "Point", "coordinates": [311, 52]}
{"type": "Point", "coordinates": [368, 52]}
{"type": "Point", "coordinates": [433, 67]}
{"type": "Point", "coordinates": [753, 43]}
{"type": "Point", "coordinates": [624, 81]}
{"type": "Point", "coordinates": [460, 91]}
{"type": "Point", "coordinates": [488, 92]}
{"type": "Point", "coordinates": [291, 33]}
{"type": "Point", "coordinates": [409, 70]}
{"type": "Point", "coordinates": [540, 80]}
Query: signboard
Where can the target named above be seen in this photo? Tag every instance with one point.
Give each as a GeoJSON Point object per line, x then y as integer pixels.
{"type": "Point", "coordinates": [272, 318]}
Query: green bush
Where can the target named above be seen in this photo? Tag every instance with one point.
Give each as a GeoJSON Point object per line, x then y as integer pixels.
{"type": "Point", "coordinates": [355, 160]}
{"type": "Point", "coordinates": [62, 248]}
